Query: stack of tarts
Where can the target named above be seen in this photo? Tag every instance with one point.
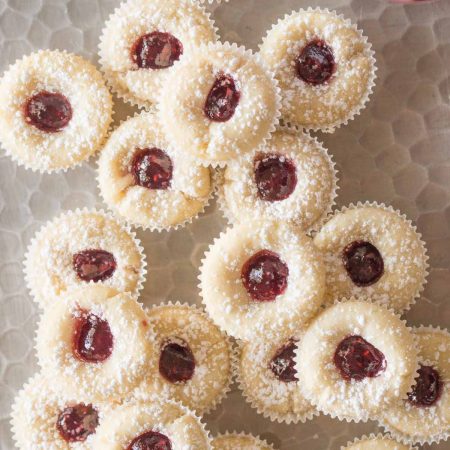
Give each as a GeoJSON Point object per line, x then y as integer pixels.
{"type": "Point", "coordinates": [313, 298]}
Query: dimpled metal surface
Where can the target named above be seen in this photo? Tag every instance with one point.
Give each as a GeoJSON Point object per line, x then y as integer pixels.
{"type": "Point", "coordinates": [397, 151]}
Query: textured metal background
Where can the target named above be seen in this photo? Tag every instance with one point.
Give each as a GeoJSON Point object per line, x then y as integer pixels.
{"type": "Point", "coordinates": [397, 152]}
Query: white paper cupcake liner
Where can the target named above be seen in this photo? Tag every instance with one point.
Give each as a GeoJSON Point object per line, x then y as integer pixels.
{"type": "Point", "coordinates": [369, 52]}
{"type": "Point", "coordinates": [261, 442]}
{"type": "Point", "coordinates": [219, 174]}
{"type": "Point", "coordinates": [289, 418]}
{"type": "Point", "coordinates": [153, 228]}
{"type": "Point", "coordinates": [58, 170]}
{"type": "Point", "coordinates": [370, 436]}
{"type": "Point", "coordinates": [406, 438]}
{"type": "Point", "coordinates": [369, 204]}
{"type": "Point", "coordinates": [71, 213]}
{"type": "Point", "coordinates": [368, 416]}
{"type": "Point", "coordinates": [249, 55]}
{"type": "Point", "coordinates": [232, 352]}
{"type": "Point", "coordinates": [314, 227]}
{"type": "Point", "coordinates": [110, 76]}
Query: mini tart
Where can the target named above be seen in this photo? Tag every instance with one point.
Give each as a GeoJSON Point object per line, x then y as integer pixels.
{"type": "Point", "coordinates": [147, 181]}
{"type": "Point", "coordinates": [379, 442]}
{"type": "Point", "coordinates": [260, 276]}
{"type": "Point", "coordinates": [268, 378]}
{"type": "Point", "coordinates": [219, 103]}
{"type": "Point", "coordinates": [55, 110]}
{"type": "Point", "coordinates": [239, 441]}
{"type": "Point", "coordinates": [372, 251]}
{"type": "Point", "coordinates": [425, 416]}
{"type": "Point", "coordinates": [195, 359]}
{"type": "Point", "coordinates": [80, 248]}
{"type": "Point", "coordinates": [166, 425]}
{"type": "Point", "coordinates": [292, 178]}
{"type": "Point", "coordinates": [97, 338]}
{"type": "Point", "coordinates": [143, 40]}
{"type": "Point", "coordinates": [46, 418]}
{"type": "Point", "coordinates": [324, 65]}
{"type": "Point", "coordinates": [356, 359]}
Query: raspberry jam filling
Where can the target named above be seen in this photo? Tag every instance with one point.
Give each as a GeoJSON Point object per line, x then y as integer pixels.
{"type": "Point", "coordinates": [275, 177]}
{"type": "Point", "coordinates": [356, 359]}
{"type": "Point", "coordinates": [77, 423]}
{"type": "Point", "coordinates": [265, 276]}
{"type": "Point", "coordinates": [315, 64]}
{"type": "Point", "coordinates": [222, 100]}
{"type": "Point", "coordinates": [48, 111]}
{"type": "Point", "coordinates": [151, 440]}
{"type": "Point", "coordinates": [283, 362]}
{"type": "Point", "coordinates": [176, 361]}
{"type": "Point", "coordinates": [363, 263]}
{"type": "Point", "coordinates": [94, 265]}
{"type": "Point", "coordinates": [428, 388]}
{"type": "Point", "coordinates": [156, 50]}
{"type": "Point", "coordinates": [92, 338]}
{"type": "Point", "coordinates": [152, 168]}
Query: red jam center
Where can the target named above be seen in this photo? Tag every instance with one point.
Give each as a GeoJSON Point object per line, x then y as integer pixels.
{"type": "Point", "coordinates": [315, 64]}
{"type": "Point", "coordinates": [48, 111]}
{"type": "Point", "coordinates": [283, 362]}
{"type": "Point", "coordinates": [76, 423]}
{"type": "Point", "coordinates": [151, 440]}
{"type": "Point", "coordinates": [177, 362]}
{"type": "Point", "coordinates": [94, 265]}
{"type": "Point", "coordinates": [223, 99]}
{"type": "Point", "coordinates": [363, 262]}
{"type": "Point", "coordinates": [92, 338]}
{"type": "Point", "coordinates": [428, 388]}
{"type": "Point", "coordinates": [265, 276]}
{"type": "Point", "coordinates": [152, 168]}
{"type": "Point", "coordinates": [156, 50]}
{"type": "Point", "coordinates": [356, 359]}
{"type": "Point", "coordinates": [275, 177]}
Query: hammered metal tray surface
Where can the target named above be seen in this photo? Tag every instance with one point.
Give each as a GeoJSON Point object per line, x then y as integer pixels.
{"type": "Point", "coordinates": [397, 152]}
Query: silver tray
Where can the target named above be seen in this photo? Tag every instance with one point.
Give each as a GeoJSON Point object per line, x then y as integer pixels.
{"type": "Point", "coordinates": [397, 152]}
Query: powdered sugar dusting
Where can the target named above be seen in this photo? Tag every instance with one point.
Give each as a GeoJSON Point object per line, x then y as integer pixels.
{"type": "Point", "coordinates": [239, 441]}
{"type": "Point", "coordinates": [275, 399]}
{"type": "Point", "coordinates": [410, 423]}
{"type": "Point", "coordinates": [333, 103]}
{"type": "Point", "coordinates": [212, 351]}
{"type": "Point", "coordinates": [55, 72]}
{"type": "Point", "coordinates": [224, 294]}
{"type": "Point", "coordinates": [49, 268]}
{"type": "Point", "coordinates": [184, 19]}
{"type": "Point", "coordinates": [35, 413]}
{"type": "Point", "coordinates": [314, 193]}
{"type": "Point", "coordinates": [403, 252]}
{"type": "Point", "coordinates": [190, 187]}
{"type": "Point", "coordinates": [321, 382]}
{"type": "Point", "coordinates": [132, 343]}
{"type": "Point", "coordinates": [128, 421]}
{"type": "Point", "coordinates": [379, 441]}
{"type": "Point", "coordinates": [181, 106]}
